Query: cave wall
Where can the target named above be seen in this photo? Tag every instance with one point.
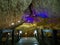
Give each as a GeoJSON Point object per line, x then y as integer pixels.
{"type": "Point", "coordinates": [11, 10]}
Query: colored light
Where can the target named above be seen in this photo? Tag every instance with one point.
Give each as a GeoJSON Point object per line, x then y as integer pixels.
{"type": "Point", "coordinates": [26, 33]}
{"type": "Point", "coordinates": [12, 23]}
{"type": "Point", "coordinates": [35, 32]}
{"type": "Point", "coordinates": [20, 32]}
{"type": "Point", "coordinates": [18, 21]}
{"type": "Point", "coordinates": [42, 13]}
{"type": "Point", "coordinates": [29, 19]}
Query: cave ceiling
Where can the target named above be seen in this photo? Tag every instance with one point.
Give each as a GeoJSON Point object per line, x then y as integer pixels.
{"type": "Point", "coordinates": [12, 10]}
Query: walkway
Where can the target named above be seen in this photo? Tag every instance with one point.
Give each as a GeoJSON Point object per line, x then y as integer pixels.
{"type": "Point", "coordinates": [27, 41]}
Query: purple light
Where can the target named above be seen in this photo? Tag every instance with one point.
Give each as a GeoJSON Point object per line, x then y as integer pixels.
{"type": "Point", "coordinates": [29, 19]}
{"type": "Point", "coordinates": [42, 13]}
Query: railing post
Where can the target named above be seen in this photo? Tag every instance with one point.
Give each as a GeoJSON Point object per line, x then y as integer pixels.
{"type": "Point", "coordinates": [7, 40]}
{"type": "Point", "coordinates": [0, 37]}
{"type": "Point", "coordinates": [42, 35]}
{"type": "Point", "coordinates": [18, 35]}
{"type": "Point", "coordinates": [12, 37]}
{"type": "Point", "coordinates": [54, 37]}
{"type": "Point", "coordinates": [38, 37]}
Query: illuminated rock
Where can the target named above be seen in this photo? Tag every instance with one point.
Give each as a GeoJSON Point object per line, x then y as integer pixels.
{"type": "Point", "coordinates": [51, 6]}
{"type": "Point", "coordinates": [11, 11]}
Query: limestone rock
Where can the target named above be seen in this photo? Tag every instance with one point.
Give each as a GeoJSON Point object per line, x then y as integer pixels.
{"type": "Point", "coordinates": [11, 10]}
{"type": "Point", "coordinates": [51, 6]}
